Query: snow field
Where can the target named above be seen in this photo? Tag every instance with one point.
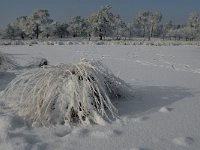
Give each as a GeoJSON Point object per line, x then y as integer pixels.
{"type": "Point", "coordinates": [162, 115]}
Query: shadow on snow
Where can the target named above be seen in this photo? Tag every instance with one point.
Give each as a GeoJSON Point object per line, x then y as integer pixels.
{"type": "Point", "coordinates": [5, 78]}
{"type": "Point", "coordinates": [150, 99]}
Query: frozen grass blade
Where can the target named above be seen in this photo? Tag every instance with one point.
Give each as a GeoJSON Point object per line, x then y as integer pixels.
{"type": "Point", "coordinates": [66, 94]}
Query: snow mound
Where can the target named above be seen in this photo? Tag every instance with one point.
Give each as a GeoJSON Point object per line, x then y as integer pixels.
{"type": "Point", "coordinates": [66, 94]}
{"type": "Point", "coordinates": [6, 62]}
{"type": "Point", "coordinates": [165, 109]}
{"type": "Point", "coordinates": [183, 141]}
{"type": "Point", "coordinates": [36, 62]}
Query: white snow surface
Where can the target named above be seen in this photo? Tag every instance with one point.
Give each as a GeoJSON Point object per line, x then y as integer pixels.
{"type": "Point", "coordinates": [164, 113]}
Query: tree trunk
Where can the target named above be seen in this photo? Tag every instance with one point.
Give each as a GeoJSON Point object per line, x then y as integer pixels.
{"type": "Point", "coordinates": [151, 31]}
{"type": "Point", "coordinates": [163, 37]}
{"type": "Point", "coordinates": [37, 31]}
{"type": "Point", "coordinates": [144, 32]}
{"type": "Point", "coordinates": [149, 38]}
{"type": "Point", "coordinates": [100, 37]}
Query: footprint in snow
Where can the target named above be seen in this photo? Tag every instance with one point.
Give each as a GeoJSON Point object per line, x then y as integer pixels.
{"type": "Point", "coordinates": [140, 119]}
{"type": "Point", "coordinates": [187, 66]}
{"type": "Point", "coordinates": [139, 149]}
{"type": "Point", "coordinates": [82, 132]}
{"type": "Point", "coordinates": [62, 133]}
{"type": "Point", "coordinates": [197, 71]}
{"type": "Point", "coordinates": [165, 109]}
{"type": "Point", "coordinates": [117, 132]}
{"type": "Point", "coordinates": [165, 98]}
{"type": "Point", "coordinates": [173, 67]}
{"type": "Point", "coordinates": [183, 141]}
{"type": "Point", "coordinates": [101, 134]}
{"type": "Point", "coordinates": [106, 134]}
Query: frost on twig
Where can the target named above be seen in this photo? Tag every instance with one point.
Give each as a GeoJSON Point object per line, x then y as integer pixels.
{"type": "Point", "coordinates": [65, 94]}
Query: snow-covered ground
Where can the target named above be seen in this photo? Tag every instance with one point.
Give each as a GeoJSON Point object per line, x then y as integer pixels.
{"type": "Point", "coordinates": [164, 113]}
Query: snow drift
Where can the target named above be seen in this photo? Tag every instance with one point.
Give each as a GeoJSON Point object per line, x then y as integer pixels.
{"type": "Point", "coordinates": [66, 94]}
{"type": "Point", "coordinates": [6, 62]}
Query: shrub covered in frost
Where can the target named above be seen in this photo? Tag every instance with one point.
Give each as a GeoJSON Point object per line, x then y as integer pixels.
{"type": "Point", "coordinates": [61, 43]}
{"type": "Point", "coordinates": [6, 62]}
{"type": "Point", "coordinates": [18, 42]}
{"type": "Point", "coordinates": [70, 43]}
{"type": "Point", "coordinates": [78, 93]}
{"type": "Point", "coordinates": [50, 43]}
{"type": "Point", "coordinates": [33, 42]}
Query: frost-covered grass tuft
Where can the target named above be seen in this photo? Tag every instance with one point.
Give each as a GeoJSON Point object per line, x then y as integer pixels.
{"type": "Point", "coordinates": [66, 94]}
{"type": "Point", "coordinates": [6, 62]}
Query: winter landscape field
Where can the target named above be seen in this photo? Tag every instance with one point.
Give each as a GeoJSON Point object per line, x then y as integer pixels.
{"type": "Point", "coordinates": [162, 113]}
{"type": "Point", "coordinates": [99, 75]}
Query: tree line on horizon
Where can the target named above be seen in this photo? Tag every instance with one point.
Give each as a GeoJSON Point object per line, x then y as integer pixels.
{"type": "Point", "coordinates": [102, 24]}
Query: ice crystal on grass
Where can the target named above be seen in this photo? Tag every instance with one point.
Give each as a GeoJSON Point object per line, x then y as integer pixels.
{"type": "Point", "coordinates": [66, 94]}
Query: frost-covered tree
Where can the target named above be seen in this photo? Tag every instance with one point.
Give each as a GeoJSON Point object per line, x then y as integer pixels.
{"type": "Point", "coordinates": [12, 32]}
{"type": "Point", "coordinates": [61, 30]}
{"type": "Point", "coordinates": [49, 30]}
{"type": "Point", "coordinates": [142, 22]}
{"type": "Point", "coordinates": [120, 28]}
{"type": "Point", "coordinates": [146, 23]}
{"type": "Point", "coordinates": [181, 32]}
{"type": "Point", "coordinates": [193, 20]}
{"type": "Point", "coordinates": [188, 33]}
{"type": "Point", "coordinates": [37, 22]}
{"type": "Point", "coordinates": [167, 29]}
{"type": "Point", "coordinates": [78, 26]}
{"type": "Point", "coordinates": [192, 30]}
{"type": "Point", "coordinates": [9, 32]}
{"type": "Point", "coordinates": [135, 29]}
{"type": "Point", "coordinates": [102, 22]}
{"type": "Point", "coordinates": [21, 23]}
{"type": "Point", "coordinates": [155, 19]}
{"type": "Point", "coordinates": [131, 30]}
{"type": "Point", "coordinates": [178, 32]}
{"type": "Point", "coordinates": [1, 32]}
